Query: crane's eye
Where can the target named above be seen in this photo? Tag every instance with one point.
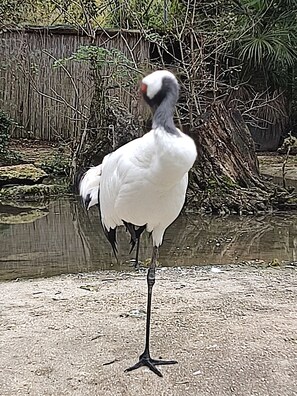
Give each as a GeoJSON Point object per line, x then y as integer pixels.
{"type": "Point", "coordinates": [143, 88]}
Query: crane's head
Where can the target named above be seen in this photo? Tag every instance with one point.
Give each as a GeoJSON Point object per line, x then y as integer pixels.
{"type": "Point", "coordinates": [158, 85]}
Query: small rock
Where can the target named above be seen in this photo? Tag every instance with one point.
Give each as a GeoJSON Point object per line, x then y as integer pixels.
{"type": "Point", "coordinates": [135, 313]}
{"type": "Point", "coordinates": [88, 287]}
{"type": "Point", "coordinates": [274, 263]}
{"type": "Point", "coordinates": [290, 141]}
{"type": "Point", "coordinates": [215, 269]}
{"type": "Point", "coordinates": [21, 174]}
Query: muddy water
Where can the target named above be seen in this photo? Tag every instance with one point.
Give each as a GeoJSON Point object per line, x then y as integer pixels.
{"type": "Point", "coordinates": [60, 237]}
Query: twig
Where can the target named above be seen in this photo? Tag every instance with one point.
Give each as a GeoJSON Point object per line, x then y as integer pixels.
{"type": "Point", "coordinates": [286, 160]}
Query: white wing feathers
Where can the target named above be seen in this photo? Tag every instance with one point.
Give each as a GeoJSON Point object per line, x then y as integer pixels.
{"type": "Point", "coordinates": [145, 182]}
{"type": "Point", "coordinates": [89, 186]}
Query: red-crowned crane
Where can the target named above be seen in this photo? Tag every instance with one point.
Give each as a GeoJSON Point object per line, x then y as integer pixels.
{"type": "Point", "coordinates": [143, 183]}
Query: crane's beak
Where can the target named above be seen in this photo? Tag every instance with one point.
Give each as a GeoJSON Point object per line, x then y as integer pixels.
{"type": "Point", "coordinates": [143, 88]}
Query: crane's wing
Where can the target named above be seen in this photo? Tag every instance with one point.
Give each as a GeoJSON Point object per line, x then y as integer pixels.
{"type": "Point", "coordinates": [89, 186]}
{"type": "Point", "coordinates": [144, 182]}
{"type": "Point", "coordinates": [122, 171]}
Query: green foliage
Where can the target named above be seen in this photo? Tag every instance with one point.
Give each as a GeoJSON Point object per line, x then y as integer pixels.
{"type": "Point", "coordinates": [7, 157]}
{"type": "Point", "coordinates": [11, 11]}
{"type": "Point", "coordinates": [48, 12]}
{"type": "Point", "coordinates": [57, 165]}
{"type": "Point", "coordinates": [143, 14]}
{"type": "Point", "coordinates": [99, 56]}
{"type": "Point", "coordinates": [5, 125]}
{"type": "Point", "coordinates": [264, 37]}
{"type": "Point", "coordinates": [107, 64]}
{"type": "Point", "coordinates": [129, 14]}
{"type": "Point", "coordinates": [247, 42]}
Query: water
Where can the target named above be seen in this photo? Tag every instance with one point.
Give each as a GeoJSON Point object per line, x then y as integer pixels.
{"type": "Point", "coordinates": [61, 238]}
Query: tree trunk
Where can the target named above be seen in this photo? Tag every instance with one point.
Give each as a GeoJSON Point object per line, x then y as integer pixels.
{"type": "Point", "coordinates": [225, 178]}
{"type": "Point", "coordinates": [225, 147]}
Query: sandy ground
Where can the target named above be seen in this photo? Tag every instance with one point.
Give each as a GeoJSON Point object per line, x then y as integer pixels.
{"type": "Point", "coordinates": [233, 332]}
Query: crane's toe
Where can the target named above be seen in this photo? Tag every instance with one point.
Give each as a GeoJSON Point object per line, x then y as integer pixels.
{"type": "Point", "coordinates": [151, 364]}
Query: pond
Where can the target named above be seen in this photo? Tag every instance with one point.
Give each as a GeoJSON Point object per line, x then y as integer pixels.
{"type": "Point", "coordinates": [61, 237]}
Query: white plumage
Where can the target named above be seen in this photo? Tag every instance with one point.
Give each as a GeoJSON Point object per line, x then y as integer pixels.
{"type": "Point", "coordinates": [89, 186]}
{"type": "Point", "coordinates": [143, 183]}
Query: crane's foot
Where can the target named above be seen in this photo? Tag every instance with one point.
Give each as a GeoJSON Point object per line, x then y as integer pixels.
{"type": "Point", "coordinates": [146, 360]}
{"type": "Point", "coordinates": [135, 264]}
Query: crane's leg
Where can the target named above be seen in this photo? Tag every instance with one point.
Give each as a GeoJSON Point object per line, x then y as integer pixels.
{"type": "Point", "coordinates": [145, 358]}
{"type": "Point", "coordinates": [135, 234]}
{"type": "Point", "coordinates": [138, 233]}
{"type": "Point", "coordinates": [136, 265]}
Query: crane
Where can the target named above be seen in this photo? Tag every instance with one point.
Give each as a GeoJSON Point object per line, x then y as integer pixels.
{"type": "Point", "coordinates": [142, 185]}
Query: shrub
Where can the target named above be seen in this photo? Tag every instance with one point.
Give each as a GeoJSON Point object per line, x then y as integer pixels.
{"type": "Point", "coordinates": [5, 126]}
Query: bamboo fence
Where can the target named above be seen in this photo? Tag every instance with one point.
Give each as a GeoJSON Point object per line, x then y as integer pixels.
{"type": "Point", "coordinates": [52, 103]}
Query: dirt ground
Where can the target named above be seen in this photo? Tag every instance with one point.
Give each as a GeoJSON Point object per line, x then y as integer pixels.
{"type": "Point", "coordinates": [233, 331]}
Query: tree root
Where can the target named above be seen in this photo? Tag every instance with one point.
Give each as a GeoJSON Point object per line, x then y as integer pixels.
{"type": "Point", "coordinates": [219, 197]}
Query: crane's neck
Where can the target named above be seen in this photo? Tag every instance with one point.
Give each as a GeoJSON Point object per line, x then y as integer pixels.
{"type": "Point", "coordinates": [163, 115]}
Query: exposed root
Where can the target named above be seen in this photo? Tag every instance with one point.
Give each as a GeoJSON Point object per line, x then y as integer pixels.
{"type": "Point", "coordinates": [225, 198]}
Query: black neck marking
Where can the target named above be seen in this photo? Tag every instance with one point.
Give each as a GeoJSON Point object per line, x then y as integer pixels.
{"type": "Point", "coordinates": [163, 105]}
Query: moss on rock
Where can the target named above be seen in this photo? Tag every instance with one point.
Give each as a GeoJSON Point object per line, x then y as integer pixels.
{"type": "Point", "coordinates": [21, 174]}
{"type": "Point", "coordinates": [22, 217]}
{"type": "Point", "coordinates": [33, 191]}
